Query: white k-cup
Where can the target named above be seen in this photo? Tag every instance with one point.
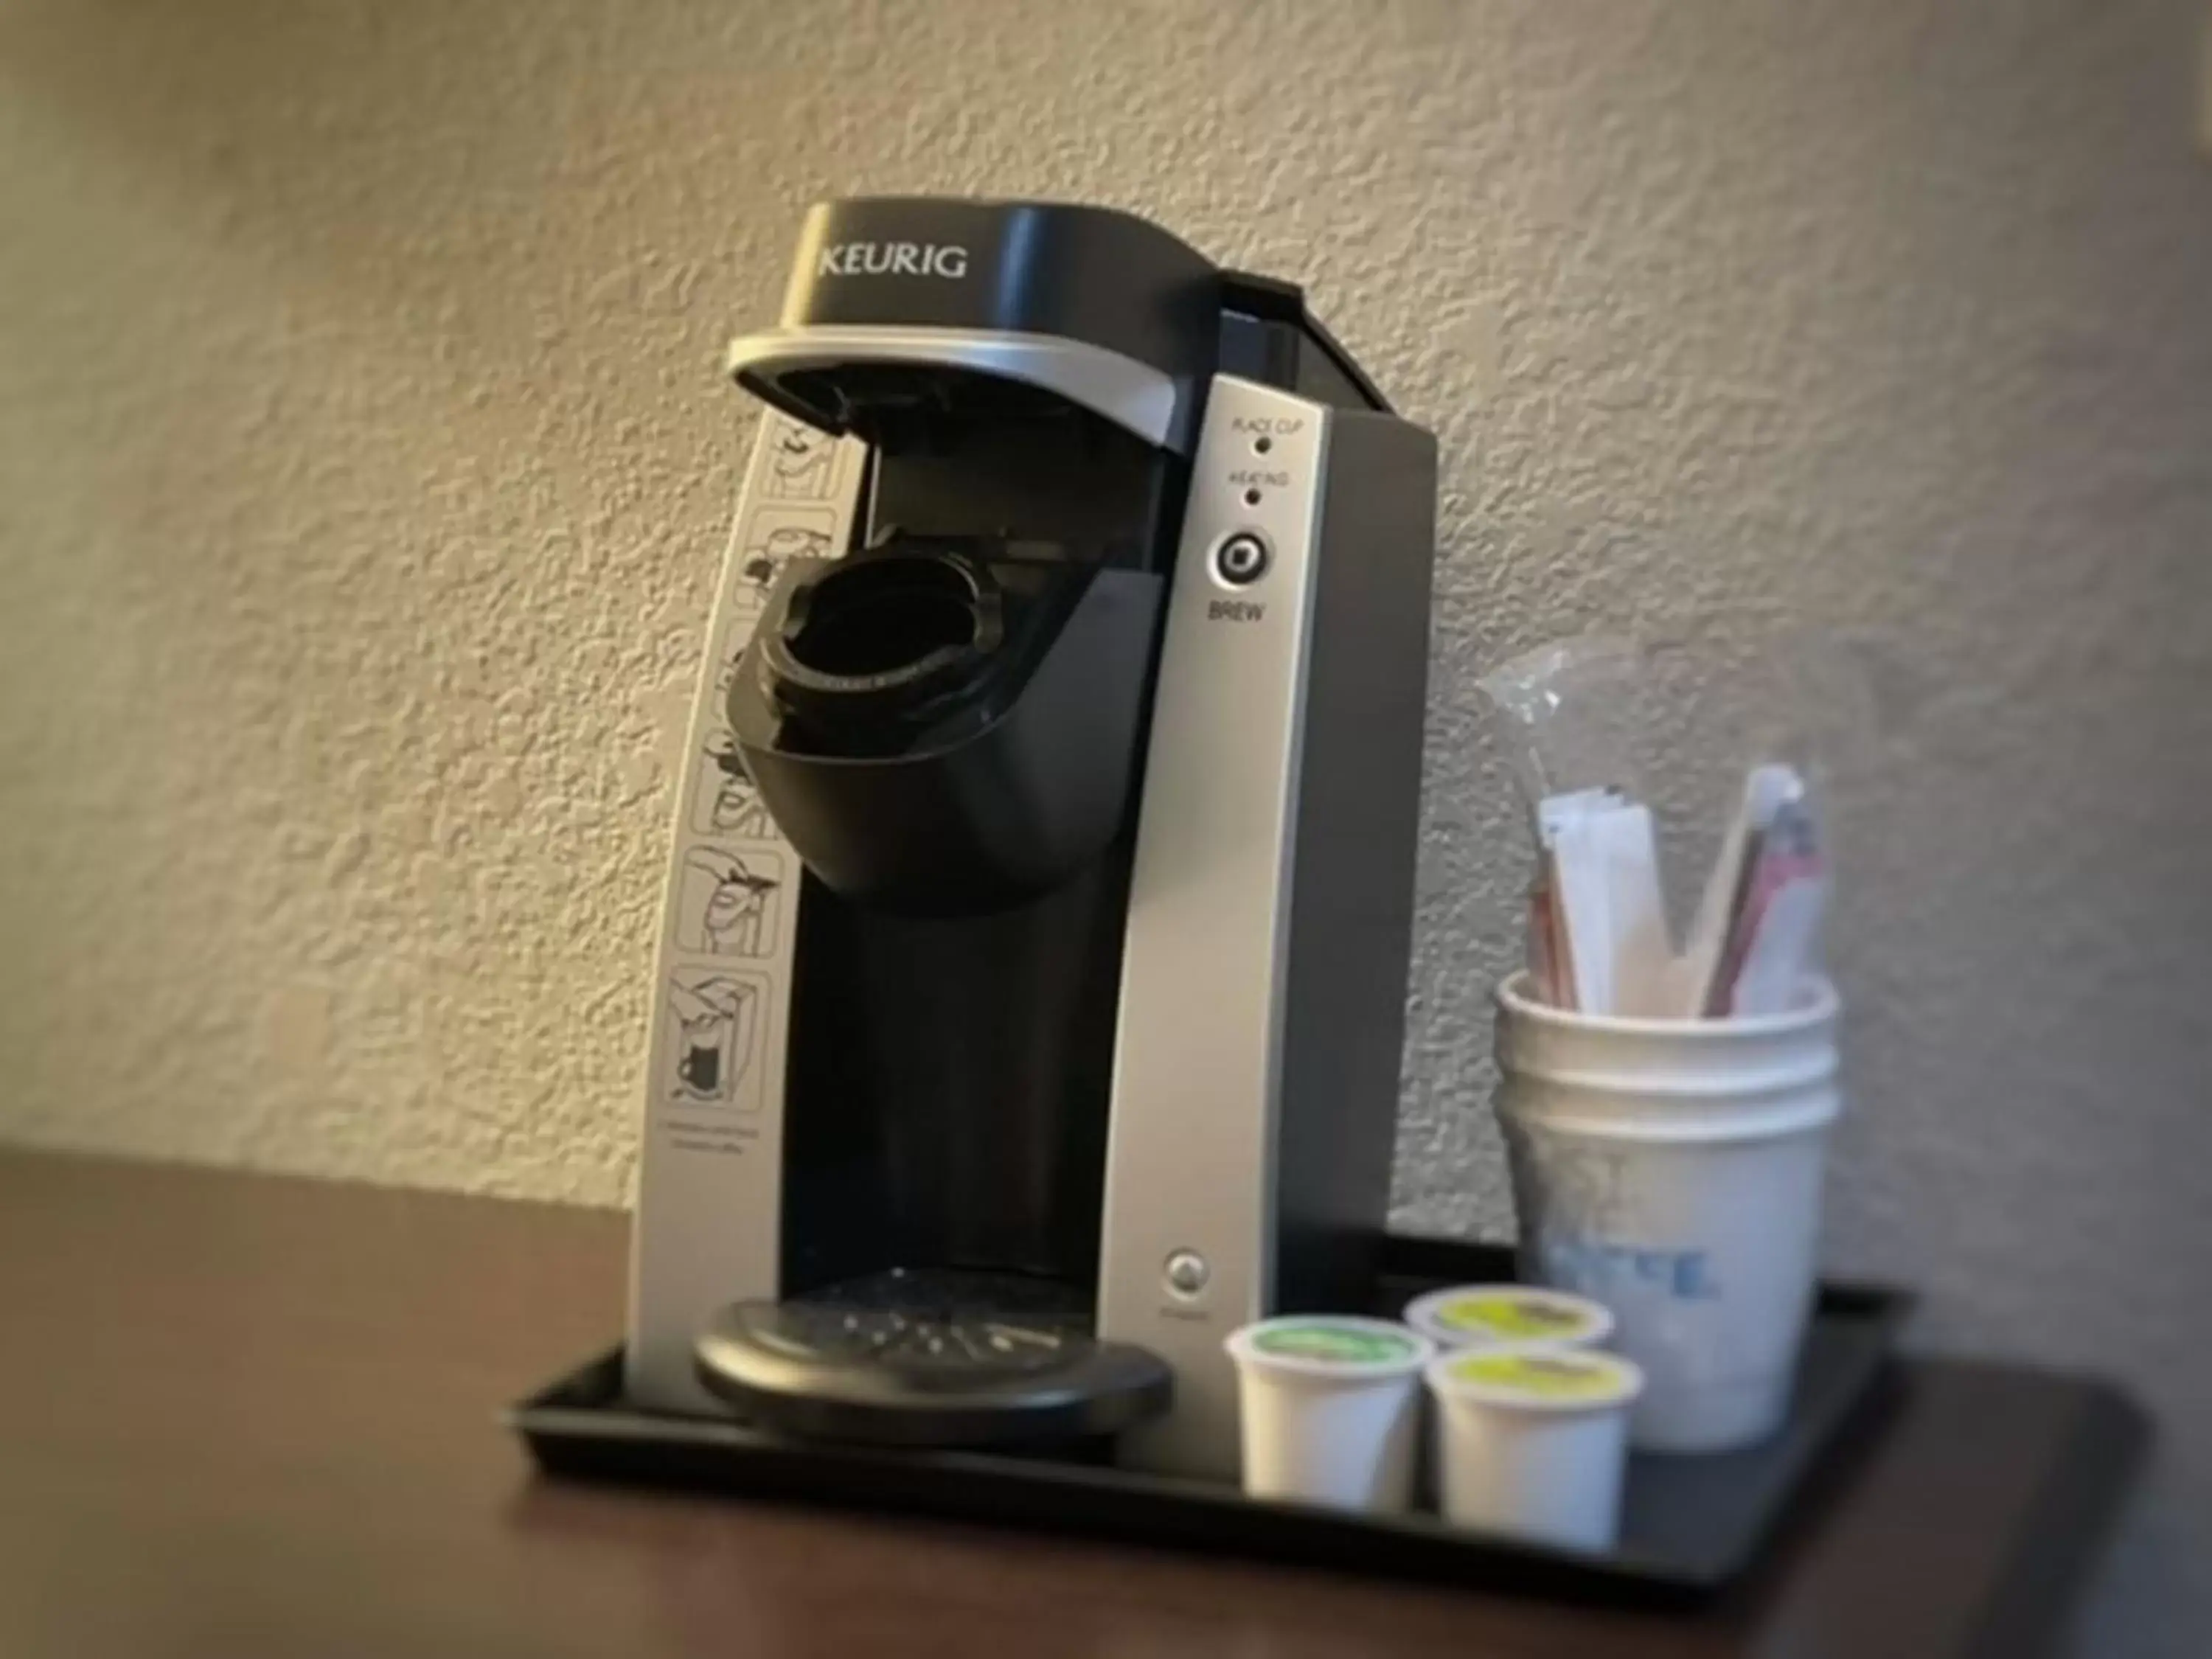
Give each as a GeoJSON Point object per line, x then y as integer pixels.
{"type": "Point", "coordinates": [1672, 1170]}
{"type": "Point", "coordinates": [1329, 1409]}
{"type": "Point", "coordinates": [1494, 1315]}
{"type": "Point", "coordinates": [1533, 1441]}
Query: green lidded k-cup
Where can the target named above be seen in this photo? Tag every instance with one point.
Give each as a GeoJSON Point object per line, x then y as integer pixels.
{"type": "Point", "coordinates": [1328, 1408]}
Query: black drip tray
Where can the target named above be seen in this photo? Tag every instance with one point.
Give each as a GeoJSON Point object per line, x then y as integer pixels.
{"type": "Point", "coordinates": [929, 1358]}
{"type": "Point", "coordinates": [1689, 1525]}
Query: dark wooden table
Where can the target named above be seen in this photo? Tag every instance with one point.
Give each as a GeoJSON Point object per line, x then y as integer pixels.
{"type": "Point", "coordinates": [241, 1415]}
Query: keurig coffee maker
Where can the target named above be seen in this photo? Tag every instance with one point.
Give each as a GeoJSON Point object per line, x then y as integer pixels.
{"type": "Point", "coordinates": [1030, 984]}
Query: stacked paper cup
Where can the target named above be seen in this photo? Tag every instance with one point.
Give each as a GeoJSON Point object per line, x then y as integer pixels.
{"type": "Point", "coordinates": [1671, 1170]}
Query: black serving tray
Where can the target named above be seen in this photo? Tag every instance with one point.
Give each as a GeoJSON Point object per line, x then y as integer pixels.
{"type": "Point", "coordinates": [1689, 1525]}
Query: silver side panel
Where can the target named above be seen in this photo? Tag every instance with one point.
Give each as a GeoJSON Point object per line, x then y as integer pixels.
{"type": "Point", "coordinates": [711, 1162]}
{"type": "Point", "coordinates": [1126, 392]}
{"type": "Point", "coordinates": [1191, 1156]}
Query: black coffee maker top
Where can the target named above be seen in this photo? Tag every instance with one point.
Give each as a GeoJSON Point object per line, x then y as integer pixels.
{"type": "Point", "coordinates": [1096, 307]}
{"type": "Point", "coordinates": [948, 716]}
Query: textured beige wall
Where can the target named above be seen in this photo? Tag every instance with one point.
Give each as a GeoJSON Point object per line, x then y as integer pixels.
{"type": "Point", "coordinates": [362, 462]}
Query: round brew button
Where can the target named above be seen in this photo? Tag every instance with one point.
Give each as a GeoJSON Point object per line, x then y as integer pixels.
{"type": "Point", "coordinates": [1186, 1273]}
{"type": "Point", "coordinates": [1241, 559]}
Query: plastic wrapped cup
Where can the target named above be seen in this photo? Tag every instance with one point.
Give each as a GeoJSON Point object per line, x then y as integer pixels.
{"type": "Point", "coordinates": [1329, 1409]}
{"type": "Point", "coordinates": [1533, 1441]}
{"type": "Point", "coordinates": [1489, 1315]}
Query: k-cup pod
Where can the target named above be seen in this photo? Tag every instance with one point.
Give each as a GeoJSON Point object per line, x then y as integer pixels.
{"type": "Point", "coordinates": [1491, 1315]}
{"type": "Point", "coordinates": [1329, 1409]}
{"type": "Point", "coordinates": [1533, 1441]}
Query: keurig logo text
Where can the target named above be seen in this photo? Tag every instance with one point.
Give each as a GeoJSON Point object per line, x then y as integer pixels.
{"type": "Point", "coordinates": [892, 259]}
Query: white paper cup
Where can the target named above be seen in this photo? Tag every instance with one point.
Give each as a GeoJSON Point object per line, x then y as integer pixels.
{"type": "Point", "coordinates": [1492, 1316]}
{"type": "Point", "coordinates": [1329, 1409]}
{"type": "Point", "coordinates": [1671, 1170]}
{"type": "Point", "coordinates": [1533, 1441]}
